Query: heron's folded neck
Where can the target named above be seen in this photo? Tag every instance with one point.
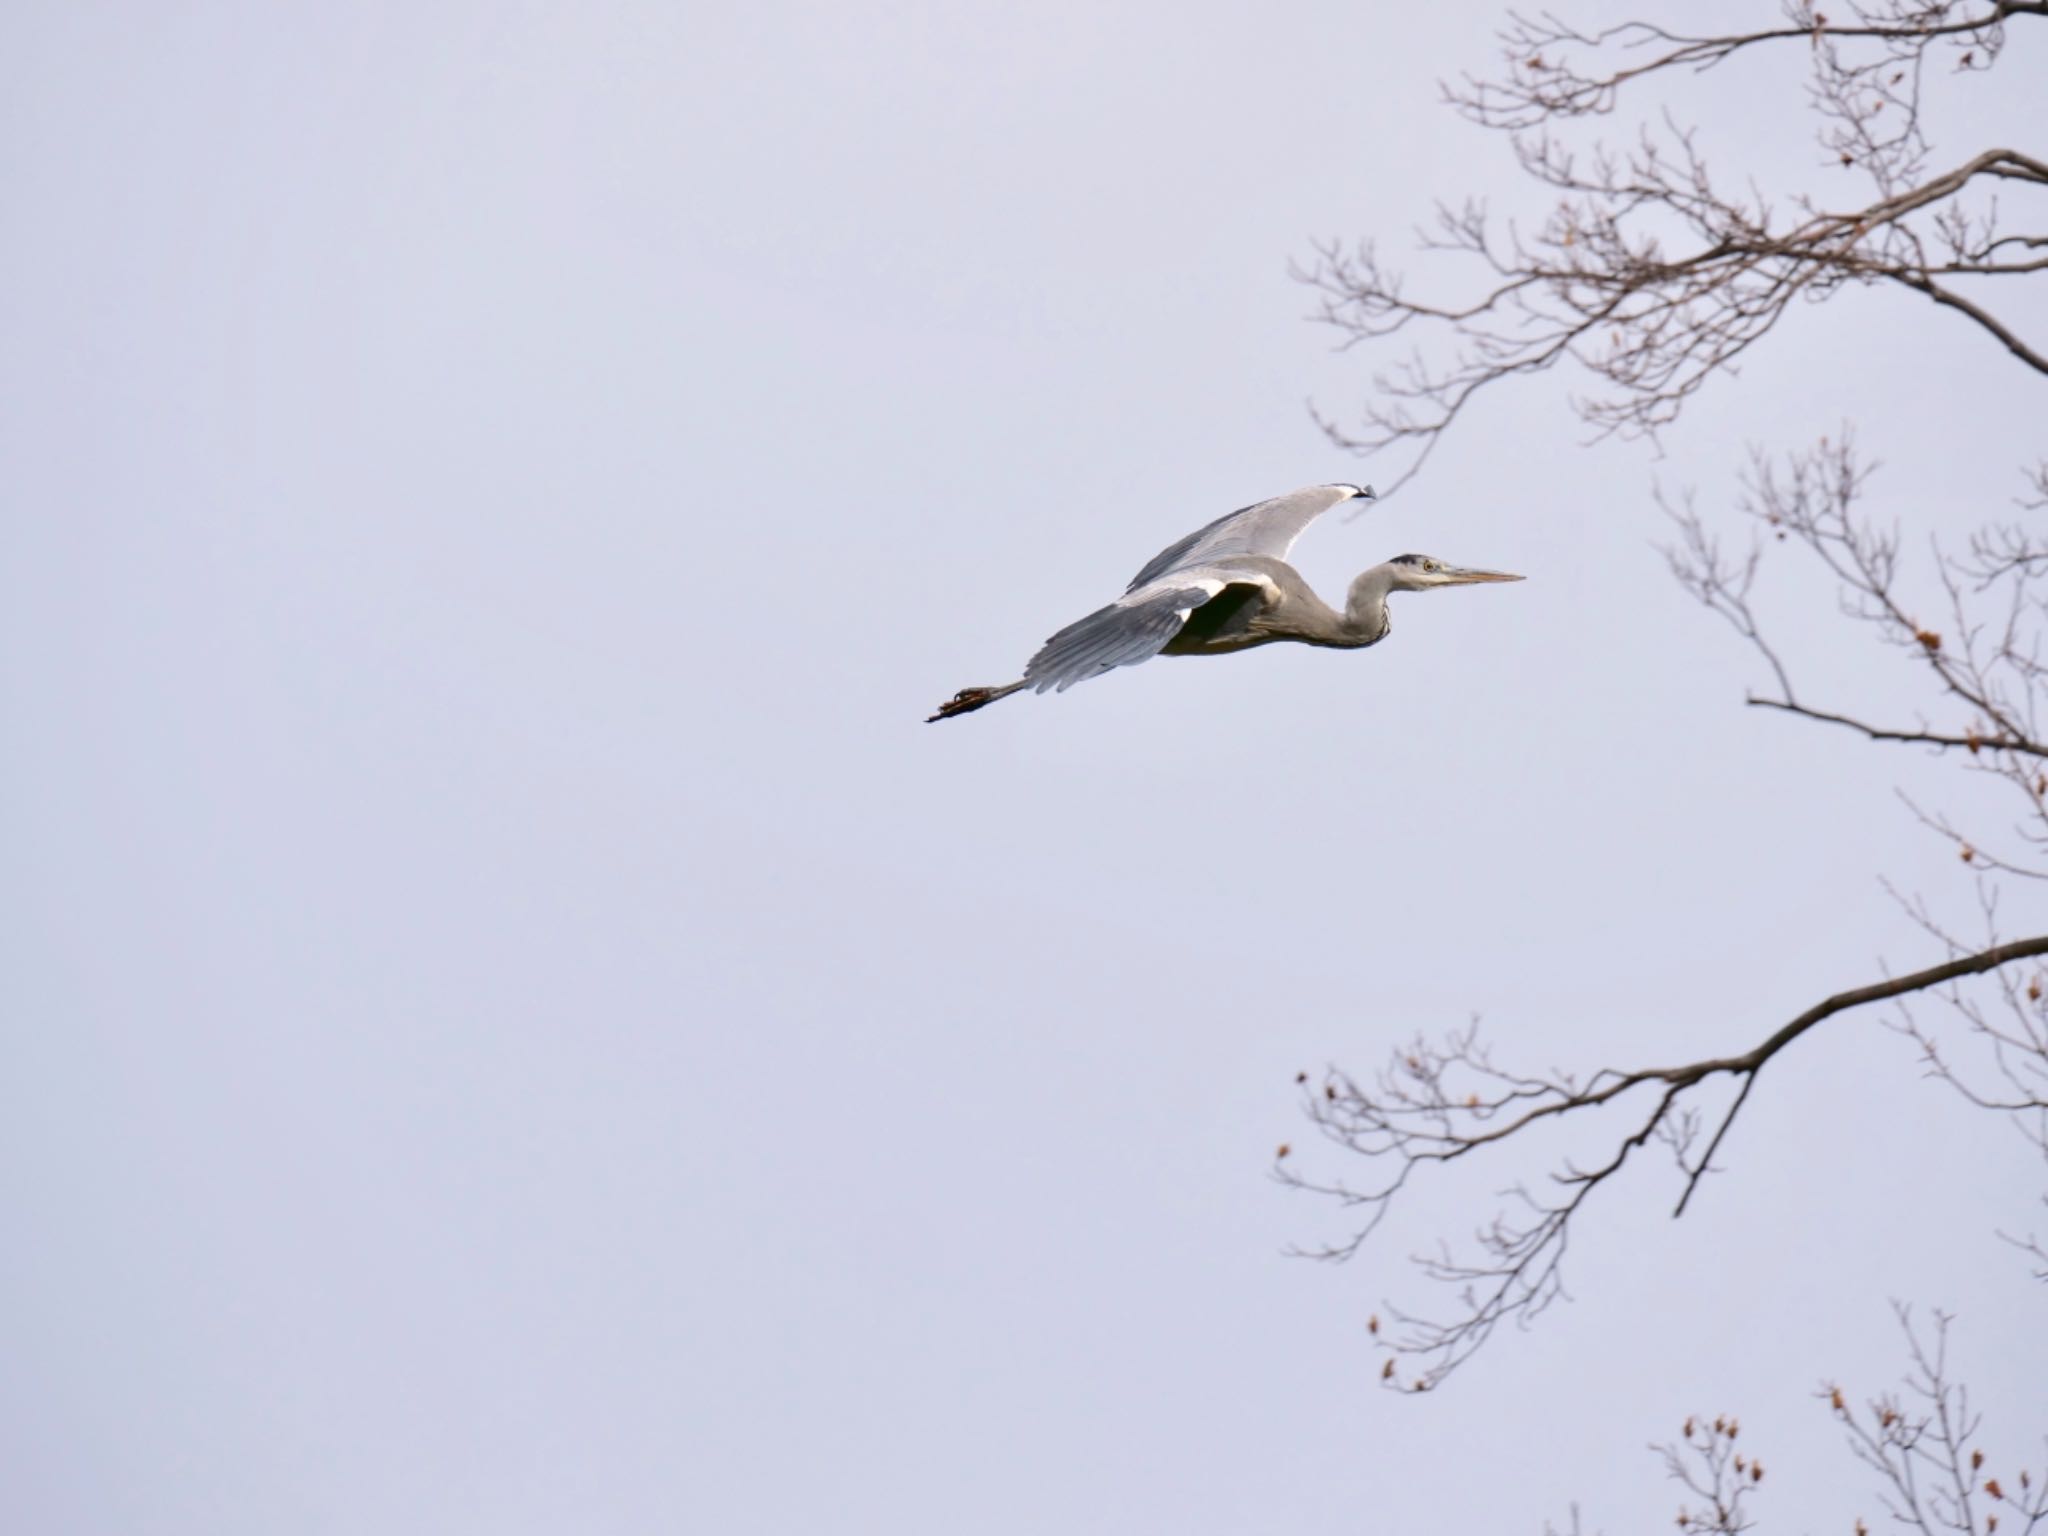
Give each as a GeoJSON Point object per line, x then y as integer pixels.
{"type": "Point", "coordinates": [1365, 611]}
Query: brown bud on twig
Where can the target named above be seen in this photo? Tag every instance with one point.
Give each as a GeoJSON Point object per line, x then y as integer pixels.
{"type": "Point", "coordinates": [1928, 638]}
{"type": "Point", "coordinates": [1387, 1371]}
{"type": "Point", "coordinates": [1372, 1324]}
{"type": "Point", "coordinates": [1756, 1471]}
{"type": "Point", "coordinates": [1976, 1460]}
{"type": "Point", "coordinates": [1835, 1400]}
{"type": "Point", "coordinates": [1991, 1487]}
{"type": "Point", "coordinates": [1282, 1150]}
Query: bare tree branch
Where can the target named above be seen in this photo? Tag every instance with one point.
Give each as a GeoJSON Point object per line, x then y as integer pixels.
{"type": "Point", "coordinates": [1880, 733]}
{"type": "Point", "coordinates": [1437, 1104]}
{"type": "Point", "coordinates": [1599, 285]}
{"type": "Point", "coordinates": [1985, 661]}
{"type": "Point", "coordinates": [1543, 81]}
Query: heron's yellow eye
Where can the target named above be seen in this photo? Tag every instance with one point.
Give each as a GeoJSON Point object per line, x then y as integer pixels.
{"type": "Point", "coordinates": [1429, 565]}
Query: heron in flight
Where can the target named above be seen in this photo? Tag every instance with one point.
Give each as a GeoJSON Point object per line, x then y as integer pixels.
{"type": "Point", "coordinates": [1223, 588]}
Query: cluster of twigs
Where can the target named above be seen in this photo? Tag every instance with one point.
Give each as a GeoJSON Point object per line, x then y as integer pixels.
{"type": "Point", "coordinates": [1925, 1445]}
{"type": "Point", "coordinates": [1922, 1441]}
{"type": "Point", "coordinates": [1651, 276]}
{"type": "Point", "coordinates": [1719, 1480]}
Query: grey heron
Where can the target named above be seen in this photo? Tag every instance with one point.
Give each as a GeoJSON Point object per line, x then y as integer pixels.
{"type": "Point", "coordinates": [1224, 588]}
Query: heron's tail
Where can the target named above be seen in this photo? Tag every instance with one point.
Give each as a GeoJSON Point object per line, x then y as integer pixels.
{"type": "Point", "coordinates": [967, 700]}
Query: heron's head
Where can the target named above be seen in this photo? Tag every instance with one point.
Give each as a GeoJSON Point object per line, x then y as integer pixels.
{"type": "Point", "coordinates": [1420, 573]}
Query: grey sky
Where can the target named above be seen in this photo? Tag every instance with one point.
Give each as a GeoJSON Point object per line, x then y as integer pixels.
{"type": "Point", "coordinates": [515, 1025]}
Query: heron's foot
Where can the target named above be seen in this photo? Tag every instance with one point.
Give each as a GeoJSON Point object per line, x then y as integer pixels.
{"type": "Point", "coordinates": [967, 700]}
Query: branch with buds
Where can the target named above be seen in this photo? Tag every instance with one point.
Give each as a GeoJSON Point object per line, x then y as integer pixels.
{"type": "Point", "coordinates": [1922, 1439]}
{"type": "Point", "coordinates": [1925, 1444]}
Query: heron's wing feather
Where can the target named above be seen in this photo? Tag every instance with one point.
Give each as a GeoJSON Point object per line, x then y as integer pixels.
{"type": "Point", "coordinates": [1136, 628]}
{"type": "Point", "coordinates": [1263, 528]}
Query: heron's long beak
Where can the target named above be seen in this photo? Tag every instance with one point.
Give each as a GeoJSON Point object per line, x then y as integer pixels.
{"type": "Point", "coordinates": [1458, 576]}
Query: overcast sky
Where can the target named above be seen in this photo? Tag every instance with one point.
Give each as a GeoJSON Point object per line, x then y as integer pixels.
{"type": "Point", "coordinates": [514, 1024]}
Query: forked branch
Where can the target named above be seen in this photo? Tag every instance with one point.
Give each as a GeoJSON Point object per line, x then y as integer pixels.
{"type": "Point", "coordinates": [1441, 1103]}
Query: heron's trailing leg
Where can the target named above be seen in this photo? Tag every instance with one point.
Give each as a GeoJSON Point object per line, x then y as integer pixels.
{"type": "Point", "coordinates": [967, 700]}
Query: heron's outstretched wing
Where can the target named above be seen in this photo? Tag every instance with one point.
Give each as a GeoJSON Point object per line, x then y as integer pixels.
{"type": "Point", "coordinates": [1263, 528]}
{"type": "Point", "coordinates": [1135, 628]}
